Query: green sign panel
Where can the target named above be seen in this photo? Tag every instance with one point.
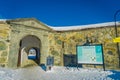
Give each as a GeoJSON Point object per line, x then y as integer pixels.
{"type": "Point", "coordinates": [89, 54]}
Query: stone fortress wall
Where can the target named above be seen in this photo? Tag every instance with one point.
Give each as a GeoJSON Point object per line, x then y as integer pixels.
{"type": "Point", "coordinates": [52, 42]}
{"type": "Point", "coordinates": [103, 35]}
{"type": "Point", "coordinates": [4, 43]}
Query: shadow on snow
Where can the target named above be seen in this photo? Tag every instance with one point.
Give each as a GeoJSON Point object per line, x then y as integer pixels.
{"type": "Point", "coordinates": [115, 75]}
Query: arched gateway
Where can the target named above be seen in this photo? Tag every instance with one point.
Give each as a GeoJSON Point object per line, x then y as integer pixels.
{"type": "Point", "coordinates": [29, 49]}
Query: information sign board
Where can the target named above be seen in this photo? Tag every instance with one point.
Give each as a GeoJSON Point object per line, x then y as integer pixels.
{"type": "Point", "coordinates": [91, 54]}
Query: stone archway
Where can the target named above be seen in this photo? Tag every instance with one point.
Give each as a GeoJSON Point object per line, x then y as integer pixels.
{"type": "Point", "coordinates": [26, 44]}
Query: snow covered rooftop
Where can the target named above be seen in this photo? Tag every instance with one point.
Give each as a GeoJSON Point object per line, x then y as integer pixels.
{"type": "Point", "coordinates": [69, 28]}
{"type": "Point", "coordinates": [77, 27]}
{"type": "Point", "coordinates": [3, 19]}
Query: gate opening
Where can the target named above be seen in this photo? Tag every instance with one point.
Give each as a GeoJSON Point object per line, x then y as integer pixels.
{"type": "Point", "coordinates": [29, 50]}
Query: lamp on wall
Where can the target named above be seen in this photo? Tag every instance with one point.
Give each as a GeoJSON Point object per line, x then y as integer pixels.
{"type": "Point", "coordinates": [87, 42]}
{"type": "Point", "coordinates": [116, 33]}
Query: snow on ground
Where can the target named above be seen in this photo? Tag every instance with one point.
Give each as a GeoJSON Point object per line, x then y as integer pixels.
{"type": "Point", "coordinates": [57, 73]}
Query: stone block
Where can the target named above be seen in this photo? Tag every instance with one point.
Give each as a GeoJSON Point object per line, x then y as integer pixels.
{"type": "Point", "coordinates": [3, 59]}
{"type": "Point", "coordinates": [2, 45]}
{"type": "Point", "coordinates": [4, 53]}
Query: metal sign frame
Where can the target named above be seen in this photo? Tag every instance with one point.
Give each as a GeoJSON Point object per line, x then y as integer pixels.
{"type": "Point", "coordinates": [88, 62]}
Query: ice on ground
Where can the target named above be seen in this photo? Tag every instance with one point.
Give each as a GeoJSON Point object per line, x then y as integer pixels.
{"type": "Point", "coordinates": [56, 73]}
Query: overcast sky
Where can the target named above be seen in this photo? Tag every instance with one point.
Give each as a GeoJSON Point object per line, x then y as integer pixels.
{"type": "Point", "coordinates": [61, 12]}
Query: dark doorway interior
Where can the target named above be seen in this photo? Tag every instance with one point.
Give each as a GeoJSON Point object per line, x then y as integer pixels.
{"type": "Point", "coordinates": [70, 60]}
{"type": "Point", "coordinates": [34, 54]}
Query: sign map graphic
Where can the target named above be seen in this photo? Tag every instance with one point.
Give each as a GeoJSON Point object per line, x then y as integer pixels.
{"type": "Point", "coordinates": [90, 54]}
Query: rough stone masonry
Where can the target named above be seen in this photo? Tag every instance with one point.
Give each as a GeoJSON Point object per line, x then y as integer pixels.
{"type": "Point", "coordinates": [19, 36]}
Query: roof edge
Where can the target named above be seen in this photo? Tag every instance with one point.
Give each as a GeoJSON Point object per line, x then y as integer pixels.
{"type": "Point", "coordinates": [25, 19]}
{"type": "Point", "coordinates": [81, 27]}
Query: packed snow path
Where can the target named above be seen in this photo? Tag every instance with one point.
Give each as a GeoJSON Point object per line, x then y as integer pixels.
{"type": "Point", "coordinates": [57, 73]}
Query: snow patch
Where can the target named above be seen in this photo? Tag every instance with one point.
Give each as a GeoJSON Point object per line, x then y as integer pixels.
{"type": "Point", "coordinates": [56, 73]}
{"type": "Point", "coordinates": [67, 28]}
